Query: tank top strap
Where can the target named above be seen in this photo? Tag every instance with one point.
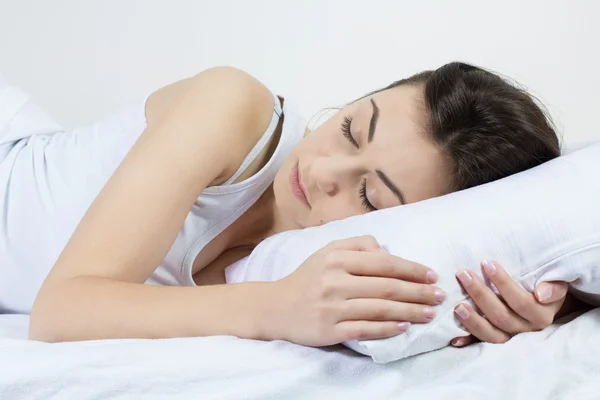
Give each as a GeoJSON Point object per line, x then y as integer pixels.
{"type": "Point", "coordinates": [259, 146]}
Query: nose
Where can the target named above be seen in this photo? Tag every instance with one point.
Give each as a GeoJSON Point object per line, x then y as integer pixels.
{"type": "Point", "coordinates": [331, 174]}
{"type": "Point", "coordinates": [328, 187]}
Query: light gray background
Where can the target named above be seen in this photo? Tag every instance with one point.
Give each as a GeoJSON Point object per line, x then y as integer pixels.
{"type": "Point", "coordinates": [85, 59]}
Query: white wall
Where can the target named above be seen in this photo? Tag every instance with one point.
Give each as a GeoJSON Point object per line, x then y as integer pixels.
{"type": "Point", "coordinates": [83, 59]}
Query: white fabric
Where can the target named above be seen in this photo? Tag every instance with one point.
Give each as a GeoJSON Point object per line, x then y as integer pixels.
{"type": "Point", "coordinates": [541, 225]}
{"type": "Point", "coordinates": [20, 117]}
{"type": "Point", "coordinates": [559, 363]}
{"type": "Point", "coordinates": [49, 177]}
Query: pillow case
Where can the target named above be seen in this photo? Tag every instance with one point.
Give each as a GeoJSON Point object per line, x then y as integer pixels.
{"type": "Point", "coordinates": [540, 225]}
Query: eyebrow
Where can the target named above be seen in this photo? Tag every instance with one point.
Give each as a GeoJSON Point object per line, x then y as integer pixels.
{"type": "Point", "coordinates": [386, 181]}
{"type": "Point", "coordinates": [374, 119]}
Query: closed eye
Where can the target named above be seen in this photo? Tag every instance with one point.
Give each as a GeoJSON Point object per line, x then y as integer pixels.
{"type": "Point", "coordinates": [364, 199]}
{"type": "Point", "coordinates": [347, 132]}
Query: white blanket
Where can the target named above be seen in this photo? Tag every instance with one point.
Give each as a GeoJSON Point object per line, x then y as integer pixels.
{"type": "Point", "coordinates": [562, 362]}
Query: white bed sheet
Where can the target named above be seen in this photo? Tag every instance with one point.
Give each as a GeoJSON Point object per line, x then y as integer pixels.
{"type": "Point", "coordinates": [561, 362]}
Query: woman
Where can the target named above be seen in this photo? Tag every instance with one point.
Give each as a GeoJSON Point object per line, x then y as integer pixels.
{"type": "Point", "coordinates": [210, 166]}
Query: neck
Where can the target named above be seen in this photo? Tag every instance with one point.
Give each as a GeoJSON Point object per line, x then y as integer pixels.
{"type": "Point", "coordinates": [258, 223]}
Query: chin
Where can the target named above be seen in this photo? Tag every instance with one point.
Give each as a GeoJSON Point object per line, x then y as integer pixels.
{"type": "Point", "coordinates": [283, 199]}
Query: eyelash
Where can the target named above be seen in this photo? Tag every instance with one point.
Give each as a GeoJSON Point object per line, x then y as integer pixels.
{"type": "Point", "coordinates": [363, 197]}
{"type": "Point", "coordinates": [346, 131]}
{"type": "Point", "coordinates": [362, 192]}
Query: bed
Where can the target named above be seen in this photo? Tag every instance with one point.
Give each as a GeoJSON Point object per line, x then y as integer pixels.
{"type": "Point", "coordinates": [561, 362]}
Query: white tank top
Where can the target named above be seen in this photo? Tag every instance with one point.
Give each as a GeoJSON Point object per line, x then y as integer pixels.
{"type": "Point", "coordinates": [49, 177]}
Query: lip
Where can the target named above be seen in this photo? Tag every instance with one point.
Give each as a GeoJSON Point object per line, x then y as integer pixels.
{"type": "Point", "coordinates": [296, 186]}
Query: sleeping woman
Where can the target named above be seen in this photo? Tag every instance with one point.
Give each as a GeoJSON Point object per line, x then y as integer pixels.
{"type": "Point", "coordinates": [123, 229]}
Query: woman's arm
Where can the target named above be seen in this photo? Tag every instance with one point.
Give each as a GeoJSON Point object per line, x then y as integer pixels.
{"type": "Point", "coordinates": [197, 135]}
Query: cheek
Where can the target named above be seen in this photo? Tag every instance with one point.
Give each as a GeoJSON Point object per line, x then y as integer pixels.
{"type": "Point", "coordinates": [325, 139]}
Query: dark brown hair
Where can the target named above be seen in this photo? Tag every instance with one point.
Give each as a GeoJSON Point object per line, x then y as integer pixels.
{"type": "Point", "coordinates": [486, 127]}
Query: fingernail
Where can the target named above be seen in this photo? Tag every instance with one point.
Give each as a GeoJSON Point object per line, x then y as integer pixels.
{"type": "Point", "coordinates": [544, 293]}
{"type": "Point", "coordinates": [429, 312]}
{"type": "Point", "coordinates": [403, 326]}
{"type": "Point", "coordinates": [489, 267]}
{"type": "Point", "coordinates": [432, 276]}
{"type": "Point", "coordinates": [382, 249]}
{"type": "Point", "coordinates": [462, 312]}
{"type": "Point", "coordinates": [440, 296]}
{"type": "Point", "coordinates": [465, 278]}
{"type": "Point", "coordinates": [457, 342]}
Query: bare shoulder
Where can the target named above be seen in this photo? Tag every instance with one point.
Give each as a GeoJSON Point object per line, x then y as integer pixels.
{"type": "Point", "coordinates": [241, 108]}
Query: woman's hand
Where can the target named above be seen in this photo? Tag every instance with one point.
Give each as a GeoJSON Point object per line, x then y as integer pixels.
{"type": "Point", "coordinates": [516, 312]}
{"type": "Point", "coordinates": [352, 289]}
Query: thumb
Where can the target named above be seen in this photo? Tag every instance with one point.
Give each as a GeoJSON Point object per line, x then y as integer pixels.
{"type": "Point", "coordinates": [550, 292]}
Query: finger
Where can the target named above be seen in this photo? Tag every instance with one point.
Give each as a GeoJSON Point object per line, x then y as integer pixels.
{"type": "Point", "coordinates": [383, 265]}
{"type": "Point", "coordinates": [550, 292]}
{"type": "Point", "coordinates": [358, 243]}
{"type": "Point", "coordinates": [366, 287]}
{"type": "Point", "coordinates": [479, 327]}
{"type": "Point", "coordinates": [385, 310]}
{"type": "Point", "coordinates": [491, 306]}
{"type": "Point", "coordinates": [518, 299]}
{"type": "Point", "coordinates": [369, 330]}
{"type": "Point", "coordinates": [463, 341]}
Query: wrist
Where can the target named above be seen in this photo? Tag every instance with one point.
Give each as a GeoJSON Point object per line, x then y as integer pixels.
{"type": "Point", "coordinates": [264, 315]}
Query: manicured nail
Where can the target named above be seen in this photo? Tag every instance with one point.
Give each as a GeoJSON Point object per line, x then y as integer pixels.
{"type": "Point", "coordinates": [432, 276]}
{"type": "Point", "coordinates": [544, 293]}
{"type": "Point", "coordinates": [489, 267]}
{"type": "Point", "coordinates": [457, 342]}
{"type": "Point", "coordinates": [465, 278]}
{"type": "Point", "coordinates": [462, 312]}
{"type": "Point", "coordinates": [429, 313]}
{"type": "Point", "coordinates": [440, 296]}
{"type": "Point", "coordinates": [403, 326]}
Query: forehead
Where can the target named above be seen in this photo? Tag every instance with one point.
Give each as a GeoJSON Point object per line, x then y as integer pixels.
{"type": "Point", "coordinates": [402, 106]}
{"type": "Point", "coordinates": [402, 147]}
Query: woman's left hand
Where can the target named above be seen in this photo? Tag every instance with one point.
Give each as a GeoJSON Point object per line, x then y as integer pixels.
{"type": "Point", "coordinates": [516, 312]}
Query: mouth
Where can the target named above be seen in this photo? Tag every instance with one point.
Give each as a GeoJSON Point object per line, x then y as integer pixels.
{"type": "Point", "coordinates": [296, 186]}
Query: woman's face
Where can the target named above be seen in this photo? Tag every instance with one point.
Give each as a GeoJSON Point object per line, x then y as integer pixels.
{"type": "Point", "coordinates": [372, 154]}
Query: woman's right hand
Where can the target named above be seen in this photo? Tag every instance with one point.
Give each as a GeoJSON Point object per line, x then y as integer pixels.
{"type": "Point", "coordinates": [353, 290]}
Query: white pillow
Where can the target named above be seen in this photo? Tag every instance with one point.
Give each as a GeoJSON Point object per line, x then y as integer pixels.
{"type": "Point", "coordinates": [540, 225]}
